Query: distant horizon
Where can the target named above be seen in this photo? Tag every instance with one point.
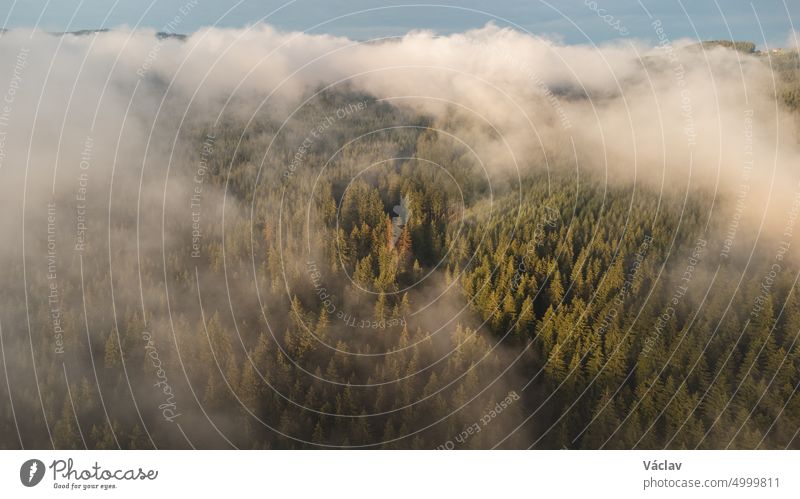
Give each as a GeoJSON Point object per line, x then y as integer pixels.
{"type": "Point", "coordinates": [87, 31]}
{"type": "Point", "coordinates": [767, 23]}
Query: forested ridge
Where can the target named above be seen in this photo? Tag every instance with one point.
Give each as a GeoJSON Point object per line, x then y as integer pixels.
{"type": "Point", "coordinates": [347, 300]}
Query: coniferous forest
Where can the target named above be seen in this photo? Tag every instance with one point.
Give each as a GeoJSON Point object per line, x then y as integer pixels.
{"type": "Point", "coordinates": [350, 271]}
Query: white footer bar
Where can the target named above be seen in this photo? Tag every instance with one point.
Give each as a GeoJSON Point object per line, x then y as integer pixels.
{"type": "Point", "coordinates": [400, 474]}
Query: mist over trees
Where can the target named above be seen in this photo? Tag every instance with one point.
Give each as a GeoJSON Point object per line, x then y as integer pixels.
{"type": "Point", "coordinates": [354, 271]}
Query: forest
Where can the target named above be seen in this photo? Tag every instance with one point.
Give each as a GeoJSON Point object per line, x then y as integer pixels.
{"type": "Point", "coordinates": [357, 277]}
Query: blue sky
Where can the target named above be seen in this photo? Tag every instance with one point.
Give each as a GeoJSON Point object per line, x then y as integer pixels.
{"type": "Point", "coordinates": [570, 20]}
